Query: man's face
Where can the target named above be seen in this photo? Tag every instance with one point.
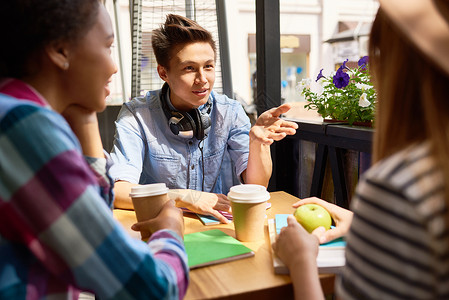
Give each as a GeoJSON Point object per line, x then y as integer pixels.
{"type": "Point", "coordinates": [191, 75]}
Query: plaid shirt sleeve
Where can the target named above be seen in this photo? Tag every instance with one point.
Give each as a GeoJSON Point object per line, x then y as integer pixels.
{"type": "Point", "coordinates": [57, 233]}
{"type": "Point", "coordinates": [100, 168]}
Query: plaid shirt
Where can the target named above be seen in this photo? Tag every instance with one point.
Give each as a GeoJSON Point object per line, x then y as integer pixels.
{"type": "Point", "coordinates": [57, 233]}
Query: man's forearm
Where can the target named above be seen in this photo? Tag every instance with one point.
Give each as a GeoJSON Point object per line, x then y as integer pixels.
{"type": "Point", "coordinates": [122, 198]}
{"type": "Point", "coordinates": [259, 168]}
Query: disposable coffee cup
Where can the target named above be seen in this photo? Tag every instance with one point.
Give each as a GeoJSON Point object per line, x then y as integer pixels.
{"type": "Point", "coordinates": [248, 202]}
{"type": "Point", "coordinates": [148, 200]}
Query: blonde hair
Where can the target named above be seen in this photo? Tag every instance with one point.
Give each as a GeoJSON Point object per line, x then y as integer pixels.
{"type": "Point", "coordinates": [413, 104]}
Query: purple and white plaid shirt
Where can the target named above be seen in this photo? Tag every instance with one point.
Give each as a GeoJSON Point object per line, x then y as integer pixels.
{"type": "Point", "coordinates": [57, 232]}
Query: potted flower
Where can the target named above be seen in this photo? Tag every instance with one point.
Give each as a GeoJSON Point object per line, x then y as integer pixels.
{"type": "Point", "coordinates": [347, 95]}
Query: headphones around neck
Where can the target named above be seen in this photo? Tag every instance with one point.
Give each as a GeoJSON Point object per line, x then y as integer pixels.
{"type": "Point", "coordinates": [192, 123]}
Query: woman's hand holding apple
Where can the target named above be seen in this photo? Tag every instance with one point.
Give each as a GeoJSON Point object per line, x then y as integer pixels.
{"type": "Point", "coordinates": [311, 216]}
{"type": "Point", "coordinates": [298, 250]}
{"type": "Point", "coordinates": [294, 245]}
{"type": "Point", "coordinates": [342, 219]}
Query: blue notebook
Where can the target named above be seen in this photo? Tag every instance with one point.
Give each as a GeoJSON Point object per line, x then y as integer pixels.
{"type": "Point", "coordinates": [210, 220]}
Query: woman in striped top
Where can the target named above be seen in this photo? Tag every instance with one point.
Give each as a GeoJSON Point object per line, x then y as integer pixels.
{"type": "Point", "coordinates": [398, 239]}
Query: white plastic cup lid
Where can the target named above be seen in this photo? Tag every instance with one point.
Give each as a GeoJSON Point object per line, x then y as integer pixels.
{"type": "Point", "coordinates": [144, 190]}
{"type": "Point", "coordinates": [248, 193]}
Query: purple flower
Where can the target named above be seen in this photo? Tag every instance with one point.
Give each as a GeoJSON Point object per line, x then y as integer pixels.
{"type": "Point", "coordinates": [344, 64]}
{"type": "Point", "coordinates": [363, 62]}
{"type": "Point", "coordinates": [341, 79]}
{"type": "Point", "coordinates": [320, 75]}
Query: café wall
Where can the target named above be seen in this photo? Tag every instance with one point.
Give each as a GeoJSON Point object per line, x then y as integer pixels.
{"type": "Point", "coordinates": [317, 18]}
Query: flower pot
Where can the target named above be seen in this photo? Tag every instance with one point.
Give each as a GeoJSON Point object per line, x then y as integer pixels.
{"type": "Point", "coordinates": [364, 124]}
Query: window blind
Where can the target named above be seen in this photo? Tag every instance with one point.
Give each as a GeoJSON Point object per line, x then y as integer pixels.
{"type": "Point", "coordinates": [147, 15]}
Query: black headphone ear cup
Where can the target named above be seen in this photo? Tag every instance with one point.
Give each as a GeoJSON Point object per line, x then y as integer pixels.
{"type": "Point", "coordinates": [199, 132]}
{"type": "Point", "coordinates": [180, 123]}
{"type": "Point", "coordinates": [206, 123]}
{"type": "Point", "coordinates": [187, 125]}
{"type": "Point", "coordinates": [202, 122]}
{"type": "Point", "coordinates": [183, 125]}
{"type": "Point", "coordinates": [190, 123]}
{"type": "Point", "coordinates": [173, 123]}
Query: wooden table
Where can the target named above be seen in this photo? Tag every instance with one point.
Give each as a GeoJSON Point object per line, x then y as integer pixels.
{"type": "Point", "coordinates": [249, 278]}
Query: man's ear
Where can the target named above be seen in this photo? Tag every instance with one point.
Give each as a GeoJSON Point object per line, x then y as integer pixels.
{"type": "Point", "coordinates": [58, 53]}
{"type": "Point", "coordinates": [162, 73]}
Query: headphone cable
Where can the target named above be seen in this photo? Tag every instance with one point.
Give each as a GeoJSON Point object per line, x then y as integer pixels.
{"type": "Point", "coordinates": [202, 161]}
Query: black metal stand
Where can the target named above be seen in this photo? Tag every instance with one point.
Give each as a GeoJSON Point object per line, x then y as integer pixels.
{"type": "Point", "coordinates": [332, 140]}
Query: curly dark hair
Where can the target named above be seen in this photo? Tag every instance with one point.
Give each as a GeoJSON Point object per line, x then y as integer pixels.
{"type": "Point", "coordinates": [27, 26]}
{"type": "Point", "coordinates": [177, 30]}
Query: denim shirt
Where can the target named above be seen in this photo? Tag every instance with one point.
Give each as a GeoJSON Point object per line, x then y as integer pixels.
{"type": "Point", "coordinates": [177, 161]}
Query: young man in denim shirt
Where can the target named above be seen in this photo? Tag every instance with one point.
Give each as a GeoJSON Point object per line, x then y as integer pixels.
{"type": "Point", "coordinates": [188, 136]}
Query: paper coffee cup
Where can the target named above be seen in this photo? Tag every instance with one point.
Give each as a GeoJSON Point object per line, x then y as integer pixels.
{"type": "Point", "coordinates": [148, 200]}
{"type": "Point", "coordinates": [248, 202]}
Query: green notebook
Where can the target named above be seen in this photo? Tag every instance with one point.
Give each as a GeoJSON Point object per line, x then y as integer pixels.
{"type": "Point", "coordinates": [213, 247]}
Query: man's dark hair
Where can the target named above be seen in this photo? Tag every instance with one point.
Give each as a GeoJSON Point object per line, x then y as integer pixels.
{"type": "Point", "coordinates": [177, 30]}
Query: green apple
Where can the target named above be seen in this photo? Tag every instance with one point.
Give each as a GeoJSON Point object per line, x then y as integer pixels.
{"type": "Point", "coordinates": [311, 216]}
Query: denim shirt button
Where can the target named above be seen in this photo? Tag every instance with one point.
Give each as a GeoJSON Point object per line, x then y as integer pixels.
{"type": "Point", "coordinates": [190, 143]}
{"type": "Point", "coordinates": [193, 167]}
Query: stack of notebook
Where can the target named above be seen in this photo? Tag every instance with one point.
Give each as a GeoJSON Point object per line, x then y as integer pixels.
{"type": "Point", "coordinates": [331, 256]}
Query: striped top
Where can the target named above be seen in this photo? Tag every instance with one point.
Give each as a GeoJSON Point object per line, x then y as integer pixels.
{"type": "Point", "coordinates": [398, 243]}
{"type": "Point", "coordinates": [57, 232]}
